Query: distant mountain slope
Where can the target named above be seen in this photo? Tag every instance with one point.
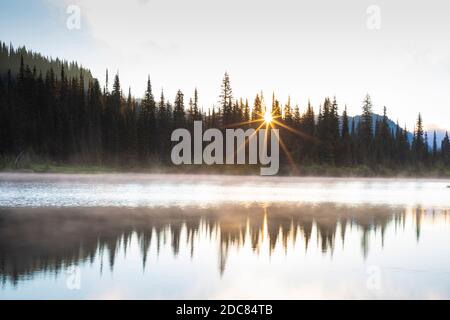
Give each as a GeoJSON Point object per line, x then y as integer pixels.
{"type": "Point", "coordinates": [10, 60]}
{"type": "Point", "coordinates": [375, 118]}
{"type": "Point", "coordinates": [440, 133]}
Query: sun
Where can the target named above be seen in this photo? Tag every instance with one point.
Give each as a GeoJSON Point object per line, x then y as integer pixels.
{"type": "Point", "coordinates": [268, 117]}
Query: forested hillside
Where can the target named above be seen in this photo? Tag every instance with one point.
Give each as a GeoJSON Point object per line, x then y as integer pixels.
{"type": "Point", "coordinates": [56, 111]}
{"type": "Point", "coordinates": [10, 59]}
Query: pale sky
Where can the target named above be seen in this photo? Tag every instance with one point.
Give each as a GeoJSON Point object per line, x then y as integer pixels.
{"type": "Point", "coordinates": [306, 49]}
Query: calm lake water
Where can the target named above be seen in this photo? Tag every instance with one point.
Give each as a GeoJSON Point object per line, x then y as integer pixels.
{"type": "Point", "coordinates": [132, 236]}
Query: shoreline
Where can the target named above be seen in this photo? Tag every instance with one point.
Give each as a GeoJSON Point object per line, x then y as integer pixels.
{"type": "Point", "coordinates": [117, 176]}
{"type": "Point", "coordinates": [308, 171]}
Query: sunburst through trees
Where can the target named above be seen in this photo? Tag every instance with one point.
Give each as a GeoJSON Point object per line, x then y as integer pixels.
{"type": "Point", "coordinates": [56, 111]}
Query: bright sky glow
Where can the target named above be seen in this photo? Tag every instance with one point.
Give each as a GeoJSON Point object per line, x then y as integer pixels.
{"type": "Point", "coordinates": [305, 49]}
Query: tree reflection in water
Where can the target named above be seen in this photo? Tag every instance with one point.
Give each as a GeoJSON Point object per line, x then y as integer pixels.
{"type": "Point", "coordinates": [51, 239]}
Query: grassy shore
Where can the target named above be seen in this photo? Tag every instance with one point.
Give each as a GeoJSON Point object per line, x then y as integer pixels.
{"type": "Point", "coordinates": [311, 170]}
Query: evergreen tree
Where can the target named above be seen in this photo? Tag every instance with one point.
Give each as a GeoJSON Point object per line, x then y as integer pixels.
{"type": "Point", "coordinates": [276, 110]}
{"type": "Point", "coordinates": [197, 114]}
{"type": "Point", "coordinates": [257, 111]}
{"type": "Point", "coordinates": [178, 111]}
{"type": "Point", "coordinates": [226, 97]}
{"type": "Point", "coordinates": [435, 151]}
{"type": "Point", "coordinates": [247, 115]}
{"type": "Point", "coordinates": [345, 152]}
{"type": "Point", "coordinates": [445, 150]}
{"type": "Point", "coordinates": [419, 148]}
{"type": "Point", "coordinates": [55, 110]}
{"type": "Point", "coordinates": [366, 131]}
{"type": "Point", "coordinates": [287, 112]}
{"type": "Point", "coordinates": [326, 134]}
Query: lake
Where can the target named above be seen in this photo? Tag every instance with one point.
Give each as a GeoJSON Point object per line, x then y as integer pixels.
{"type": "Point", "coordinates": [133, 236]}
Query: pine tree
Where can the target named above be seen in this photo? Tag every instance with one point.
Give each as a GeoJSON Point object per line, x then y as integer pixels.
{"type": "Point", "coordinates": [276, 110]}
{"type": "Point", "coordinates": [334, 131]}
{"type": "Point", "coordinates": [197, 114]}
{"type": "Point", "coordinates": [287, 112]}
{"type": "Point", "coordinates": [345, 152]}
{"type": "Point", "coordinates": [383, 141]}
{"type": "Point", "coordinates": [190, 114]}
{"type": "Point", "coordinates": [435, 151]}
{"type": "Point", "coordinates": [419, 149]}
{"type": "Point", "coordinates": [178, 111]}
{"type": "Point", "coordinates": [257, 111]}
{"type": "Point", "coordinates": [326, 134]}
{"type": "Point", "coordinates": [246, 111]}
{"type": "Point", "coordinates": [306, 124]}
{"type": "Point", "coordinates": [297, 116]}
{"type": "Point", "coordinates": [365, 131]}
{"type": "Point", "coordinates": [445, 150]}
{"type": "Point", "coordinates": [115, 124]}
{"type": "Point", "coordinates": [226, 97]}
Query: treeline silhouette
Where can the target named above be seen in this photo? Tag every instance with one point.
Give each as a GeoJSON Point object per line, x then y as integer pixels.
{"type": "Point", "coordinates": [58, 112]}
{"type": "Point", "coordinates": [28, 235]}
{"type": "Point", "coordinates": [10, 61]}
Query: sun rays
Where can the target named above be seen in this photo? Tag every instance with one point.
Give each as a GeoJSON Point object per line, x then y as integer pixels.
{"type": "Point", "coordinates": [269, 120]}
{"type": "Point", "coordinates": [268, 117]}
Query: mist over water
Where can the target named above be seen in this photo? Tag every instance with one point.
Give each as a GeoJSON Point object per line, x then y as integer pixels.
{"type": "Point", "coordinates": [164, 236]}
{"type": "Point", "coordinates": [140, 190]}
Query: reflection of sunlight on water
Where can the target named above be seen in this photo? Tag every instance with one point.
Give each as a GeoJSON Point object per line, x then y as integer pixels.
{"type": "Point", "coordinates": [155, 190]}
